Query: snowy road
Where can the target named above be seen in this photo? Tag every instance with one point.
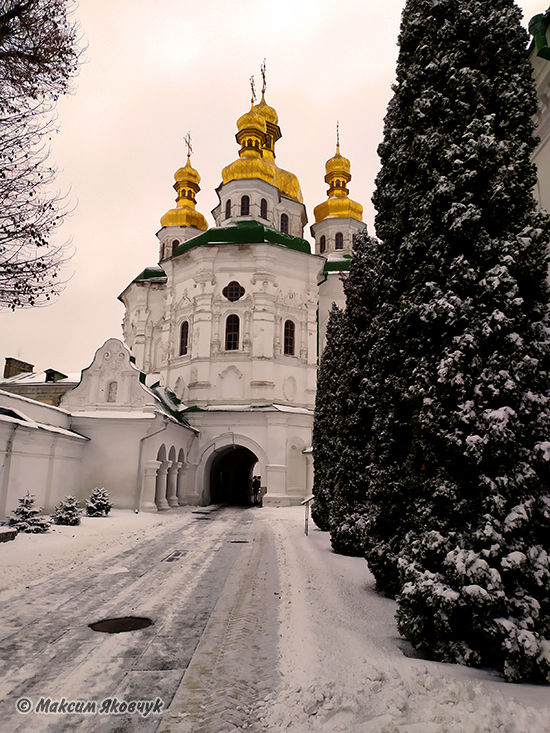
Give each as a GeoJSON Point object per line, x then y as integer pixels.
{"type": "Point", "coordinates": [256, 628]}
{"type": "Point", "coordinates": [173, 575]}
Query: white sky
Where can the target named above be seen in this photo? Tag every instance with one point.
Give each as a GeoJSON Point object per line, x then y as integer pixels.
{"type": "Point", "coordinates": [155, 70]}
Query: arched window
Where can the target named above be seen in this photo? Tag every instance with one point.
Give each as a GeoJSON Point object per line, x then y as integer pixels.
{"type": "Point", "coordinates": [337, 184]}
{"type": "Point", "coordinates": [245, 206]}
{"type": "Point", "coordinates": [339, 240]}
{"type": "Point", "coordinates": [111, 392]}
{"type": "Point", "coordinates": [228, 209]}
{"type": "Point", "coordinates": [284, 223]}
{"type": "Point", "coordinates": [289, 338]}
{"type": "Point", "coordinates": [184, 338]}
{"type": "Point", "coordinates": [322, 244]}
{"type": "Point", "coordinates": [232, 333]}
{"type": "Point", "coordinates": [263, 209]}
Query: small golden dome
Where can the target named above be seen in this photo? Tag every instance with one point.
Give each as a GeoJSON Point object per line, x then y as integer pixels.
{"type": "Point", "coordinates": [187, 173]}
{"type": "Point", "coordinates": [267, 112]}
{"type": "Point", "coordinates": [337, 163]}
{"type": "Point", "coordinates": [251, 120]}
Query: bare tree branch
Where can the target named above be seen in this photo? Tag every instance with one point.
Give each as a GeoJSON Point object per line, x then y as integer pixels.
{"type": "Point", "coordinates": [39, 56]}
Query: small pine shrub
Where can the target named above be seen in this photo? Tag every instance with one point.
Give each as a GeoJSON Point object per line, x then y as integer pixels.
{"type": "Point", "coordinates": [25, 518]}
{"type": "Point", "coordinates": [67, 512]}
{"type": "Point", "coordinates": [99, 503]}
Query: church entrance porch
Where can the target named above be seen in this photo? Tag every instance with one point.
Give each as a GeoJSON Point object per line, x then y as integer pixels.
{"type": "Point", "coordinates": [231, 474]}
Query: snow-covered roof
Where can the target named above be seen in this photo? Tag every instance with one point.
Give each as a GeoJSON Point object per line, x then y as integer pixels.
{"type": "Point", "coordinates": [40, 378]}
{"type": "Point", "coordinates": [247, 408]}
{"type": "Point", "coordinates": [16, 417]}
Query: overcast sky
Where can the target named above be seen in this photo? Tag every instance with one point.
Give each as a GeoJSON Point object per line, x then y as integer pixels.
{"type": "Point", "coordinates": [154, 71]}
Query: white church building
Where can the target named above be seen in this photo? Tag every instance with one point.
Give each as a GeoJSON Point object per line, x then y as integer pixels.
{"type": "Point", "coordinates": [229, 320]}
{"type": "Point", "coordinates": [216, 381]}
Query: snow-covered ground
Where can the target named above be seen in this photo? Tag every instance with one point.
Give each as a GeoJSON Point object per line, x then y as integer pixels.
{"type": "Point", "coordinates": [32, 556]}
{"type": "Point", "coordinates": [344, 667]}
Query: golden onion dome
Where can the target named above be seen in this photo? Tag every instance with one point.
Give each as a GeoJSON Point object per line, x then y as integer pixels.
{"type": "Point", "coordinates": [257, 133]}
{"type": "Point", "coordinates": [185, 214]}
{"type": "Point", "coordinates": [338, 208]}
{"type": "Point", "coordinates": [251, 120]}
{"type": "Point", "coordinates": [187, 173]}
{"type": "Point", "coordinates": [267, 112]}
{"type": "Point", "coordinates": [337, 163]}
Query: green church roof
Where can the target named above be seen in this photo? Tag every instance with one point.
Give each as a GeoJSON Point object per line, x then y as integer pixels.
{"type": "Point", "coordinates": [245, 232]}
{"type": "Point", "coordinates": [150, 273]}
{"type": "Point", "coordinates": [338, 265]}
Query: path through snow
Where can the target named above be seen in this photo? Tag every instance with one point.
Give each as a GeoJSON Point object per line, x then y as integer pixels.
{"type": "Point", "coordinates": [342, 664]}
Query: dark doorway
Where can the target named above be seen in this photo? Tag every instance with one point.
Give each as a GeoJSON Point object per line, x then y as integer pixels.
{"type": "Point", "coordinates": [230, 477]}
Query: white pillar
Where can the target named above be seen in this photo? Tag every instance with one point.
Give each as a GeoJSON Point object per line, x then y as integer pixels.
{"type": "Point", "coordinates": [161, 487]}
{"type": "Point", "coordinates": [149, 481]}
{"type": "Point", "coordinates": [171, 494]}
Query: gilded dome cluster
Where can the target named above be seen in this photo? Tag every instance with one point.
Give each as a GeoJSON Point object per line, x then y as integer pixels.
{"type": "Point", "coordinates": [257, 132]}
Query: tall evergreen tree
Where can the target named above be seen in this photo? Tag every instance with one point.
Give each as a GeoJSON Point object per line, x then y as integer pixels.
{"type": "Point", "coordinates": [461, 351]}
{"type": "Point", "coordinates": [356, 397]}
{"type": "Point", "coordinates": [326, 422]}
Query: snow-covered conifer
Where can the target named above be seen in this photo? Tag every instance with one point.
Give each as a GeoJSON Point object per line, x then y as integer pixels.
{"type": "Point", "coordinates": [326, 423]}
{"type": "Point", "coordinates": [462, 346]}
{"type": "Point", "coordinates": [67, 512]}
{"type": "Point", "coordinates": [25, 517]}
{"type": "Point", "coordinates": [356, 401]}
{"type": "Point", "coordinates": [99, 504]}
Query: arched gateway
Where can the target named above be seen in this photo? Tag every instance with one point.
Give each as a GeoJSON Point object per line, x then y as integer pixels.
{"type": "Point", "coordinates": [231, 476]}
{"type": "Point", "coordinates": [226, 468]}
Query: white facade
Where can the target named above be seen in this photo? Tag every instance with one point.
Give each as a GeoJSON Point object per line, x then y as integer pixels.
{"type": "Point", "coordinates": [138, 451]}
{"type": "Point", "coordinates": [229, 320]}
{"type": "Point", "coordinates": [39, 453]}
{"type": "Point", "coordinates": [541, 70]}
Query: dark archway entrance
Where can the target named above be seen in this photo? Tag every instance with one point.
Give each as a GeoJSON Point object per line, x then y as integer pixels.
{"type": "Point", "coordinates": [230, 476]}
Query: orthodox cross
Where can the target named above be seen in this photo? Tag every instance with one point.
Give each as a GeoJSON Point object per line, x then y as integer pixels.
{"type": "Point", "coordinates": [264, 84]}
{"type": "Point", "coordinates": [253, 88]}
{"type": "Point", "coordinates": [187, 141]}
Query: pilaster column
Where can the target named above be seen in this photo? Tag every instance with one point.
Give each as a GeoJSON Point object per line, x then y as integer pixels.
{"type": "Point", "coordinates": [161, 487]}
{"type": "Point", "coordinates": [146, 502]}
{"type": "Point", "coordinates": [172, 484]}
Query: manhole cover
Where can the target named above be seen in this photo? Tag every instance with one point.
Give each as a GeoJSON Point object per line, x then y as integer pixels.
{"type": "Point", "coordinates": [175, 555]}
{"type": "Point", "coordinates": [116, 625]}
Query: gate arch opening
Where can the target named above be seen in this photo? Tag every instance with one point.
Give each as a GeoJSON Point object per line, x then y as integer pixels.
{"type": "Point", "coordinates": [231, 476]}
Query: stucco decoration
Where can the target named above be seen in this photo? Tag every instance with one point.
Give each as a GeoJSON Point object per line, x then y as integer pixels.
{"type": "Point", "coordinates": [111, 382]}
{"type": "Point", "coordinates": [231, 384]}
{"type": "Point", "coordinates": [289, 388]}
